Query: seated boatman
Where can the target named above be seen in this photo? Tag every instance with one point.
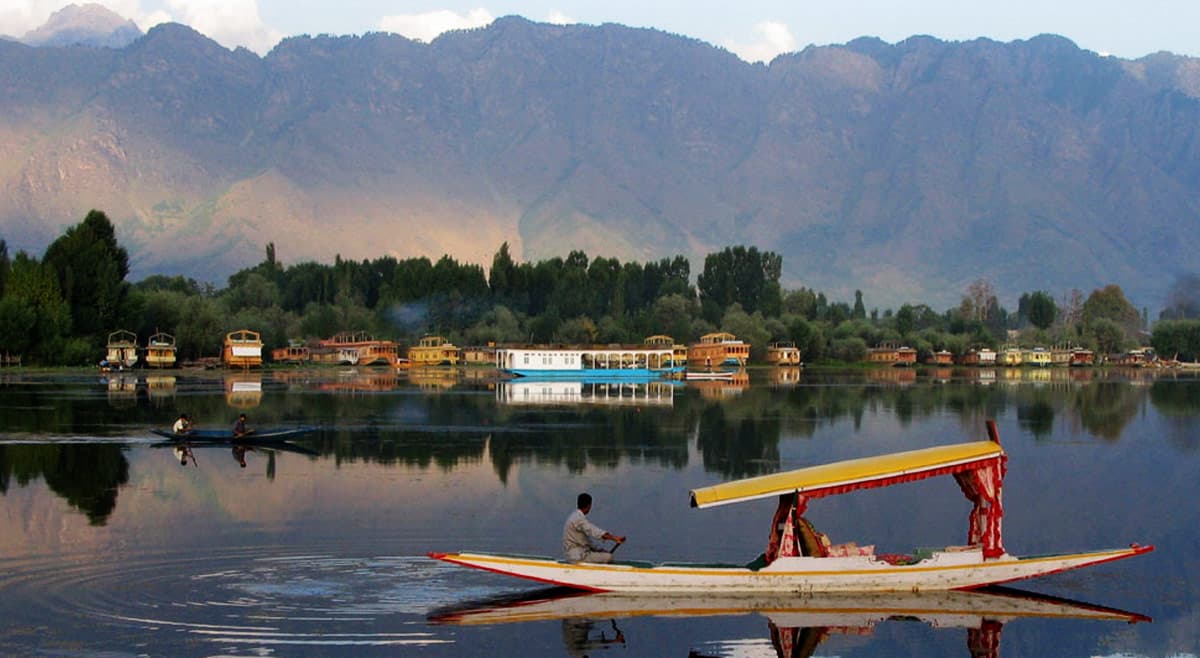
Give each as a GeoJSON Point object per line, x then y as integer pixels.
{"type": "Point", "coordinates": [579, 535]}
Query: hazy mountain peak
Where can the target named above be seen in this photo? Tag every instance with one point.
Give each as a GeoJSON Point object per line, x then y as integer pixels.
{"type": "Point", "coordinates": [88, 25]}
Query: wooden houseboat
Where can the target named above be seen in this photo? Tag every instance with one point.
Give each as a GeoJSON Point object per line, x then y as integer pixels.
{"type": "Point", "coordinates": [243, 349]}
{"type": "Point", "coordinates": [982, 356]}
{"type": "Point", "coordinates": [295, 352]}
{"type": "Point", "coordinates": [483, 355]}
{"type": "Point", "coordinates": [356, 348]}
{"type": "Point", "coordinates": [883, 355]}
{"type": "Point", "coordinates": [1010, 356]}
{"type": "Point", "coordinates": [941, 358]}
{"type": "Point", "coordinates": [433, 351]}
{"type": "Point", "coordinates": [122, 349]}
{"type": "Point", "coordinates": [783, 353]}
{"type": "Point", "coordinates": [718, 349]}
{"type": "Point", "coordinates": [160, 351]}
{"type": "Point", "coordinates": [1082, 358]}
{"type": "Point", "coordinates": [1039, 357]}
{"type": "Point", "coordinates": [679, 352]}
{"type": "Point", "coordinates": [1060, 355]}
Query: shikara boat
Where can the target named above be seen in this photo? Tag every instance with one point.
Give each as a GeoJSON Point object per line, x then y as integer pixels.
{"type": "Point", "coordinates": [265, 435]}
{"type": "Point", "coordinates": [801, 560]}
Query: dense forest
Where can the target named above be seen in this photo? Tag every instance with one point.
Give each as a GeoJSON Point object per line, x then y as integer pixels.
{"type": "Point", "coordinates": [59, 310]}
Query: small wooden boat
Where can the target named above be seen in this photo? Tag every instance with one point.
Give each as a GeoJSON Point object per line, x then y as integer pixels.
{"type": "Point", "coordinates": [799, 559]}
{"type": "Point", "coordinates": [264, 435]}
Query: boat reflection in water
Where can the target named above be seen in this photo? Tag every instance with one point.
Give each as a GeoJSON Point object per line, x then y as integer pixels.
{"type": "Point", "coordinates": [719, 385]}
{"type": "Point", "coordinates": [797, 624]}
{"type": "Point", "coordinates": [531, 391]}
{"type": "Point", "coordinates": [243, 391]}
{"type": "Point", "coordinates": [122, 390]}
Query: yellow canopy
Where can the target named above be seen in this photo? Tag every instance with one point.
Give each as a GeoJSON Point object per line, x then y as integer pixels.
{"type": "Point", "coordinates": [853, 474]}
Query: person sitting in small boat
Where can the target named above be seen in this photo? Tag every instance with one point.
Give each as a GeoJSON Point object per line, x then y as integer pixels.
{"type": "Point", "coordinates": [580, 535]}
{"type": "Point", "coordinates": [182, 425]}
{"type": "Point", "coordinates": [239, 427]}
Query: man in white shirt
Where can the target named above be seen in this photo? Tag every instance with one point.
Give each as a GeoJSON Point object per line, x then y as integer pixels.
{"type": "Point", "coordinates": [580, 535]}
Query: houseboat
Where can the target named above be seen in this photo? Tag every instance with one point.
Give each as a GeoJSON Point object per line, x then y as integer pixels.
{"type": "Point", "coordinates": [160, 351]}
{"type": "Point", "coordinates": [122, 349]}
{"type": "Point", "coordinates": [892, 355]}
{"type": "Point", "coordinates": [610, 362]}
{"type": "Point", "coordinates": [1039, 357]}
{"type": "Point", "coordinates": [978, 357]}
{"type": "Point", "coordinates": [357, 348]}
{"type": "Point", "coordinates": [433, 351]}
{"type": "Point", "coordinates": [243, 349]}
{"type": "Point", "coordinates": [1010, 356]}
{"type": "Point", "coordinates": [783, 353]}
{"type": "Point", "coordinates": [1082, 358]}
{"type": "Point", "coordinates": [295, 353]}
{"type": "Point", "coordinates": [718, 349]}
{"type": "Point", "coordinates": [941, 358]}
{"type": "Point", "coordinates": [1060, 355]}
{"type": "Point", "coordinates": [483, 355]}
{"type": "Point", "coordinates": [679, 351]}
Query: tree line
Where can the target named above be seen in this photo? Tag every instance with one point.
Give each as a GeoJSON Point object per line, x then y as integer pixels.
{"type": "Point", "coordinates": [59, 309]}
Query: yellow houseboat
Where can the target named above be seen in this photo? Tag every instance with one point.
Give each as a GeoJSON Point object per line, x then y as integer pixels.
{"type": "Point", "coordinates": [718, 349]}
{"type": "Point", "coordinates": [1038, 357]}
{"type": "Point", "coordinates": [783, 353]}
{"type": "Point", "coordinates": [1009, 356]}
{"type": "Point", "coordinates": [160, 351]}
{"type": "Point", "coordinates": [679, 353]}
{"type": "Point", "coordinates": [433, 351]}
{"type": "Point", "coordinates": [122, 349]}
{"type": "Point", "coordinates": [243, 349]}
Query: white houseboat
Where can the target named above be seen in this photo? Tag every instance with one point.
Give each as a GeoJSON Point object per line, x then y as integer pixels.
{"type": "Point", "coordinates": [578, 363]}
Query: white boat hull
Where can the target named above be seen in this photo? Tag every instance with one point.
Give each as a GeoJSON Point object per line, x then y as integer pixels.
{"type": "Point", "coordinates": [944, 570]}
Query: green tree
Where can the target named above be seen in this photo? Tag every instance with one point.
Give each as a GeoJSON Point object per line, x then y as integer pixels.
{"type": "Point", "coordinates": [743, 275]}
{"type": "Point", "coordinates": [91, 269]}
{"type": "Point", "coordinates": [4, 265]}
{"type": "Point", "coordinates": [860, 311]}
{"type": "Point", "coordinates": [1109, 303]}
{"type": "Point", "coordinates": [1041, 309]}
{"type": "Point", "coordinates": [1108, 336]}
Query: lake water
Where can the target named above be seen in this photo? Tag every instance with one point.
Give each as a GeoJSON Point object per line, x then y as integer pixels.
{"type": "Point", "coordinates": [109, 546]}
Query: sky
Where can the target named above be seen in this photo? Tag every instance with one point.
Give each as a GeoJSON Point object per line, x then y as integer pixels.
{"type": "Point", "coordinates": [755, 30]}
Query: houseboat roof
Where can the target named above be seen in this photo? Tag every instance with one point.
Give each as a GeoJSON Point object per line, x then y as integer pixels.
{"type": "Point", "coordinates": [854, 474]}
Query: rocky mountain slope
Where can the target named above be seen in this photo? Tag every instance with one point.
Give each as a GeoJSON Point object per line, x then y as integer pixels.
{"type": "Point", "coordinates": [906, 170]}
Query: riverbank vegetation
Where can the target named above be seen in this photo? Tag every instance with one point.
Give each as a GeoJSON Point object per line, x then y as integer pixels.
{"type": "Point", "coordinates": [59, 309]}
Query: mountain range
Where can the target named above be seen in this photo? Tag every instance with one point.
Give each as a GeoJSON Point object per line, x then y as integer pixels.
{"type": "Point", "coordinates": [905, 170]}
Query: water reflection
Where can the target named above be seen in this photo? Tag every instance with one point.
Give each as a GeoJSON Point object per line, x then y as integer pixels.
{"type": "Point", "coordinates": [243, 391]}
{"type": "Point", "coordinates": [88, 477]}
{"type": "Point", "coordinates": [796, 625]}
{"type": "Point", "coordinates": [534, 392]}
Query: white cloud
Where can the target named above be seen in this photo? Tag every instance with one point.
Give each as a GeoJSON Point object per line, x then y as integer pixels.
{"type": "Point", "coordinates": [228, 22]}
{"type": "Point", "coordinates": [426, 27]}
{"type": "Point", "coordinates": [773, 38]}
{"type": "Point", "coordinates": [556, 17]}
